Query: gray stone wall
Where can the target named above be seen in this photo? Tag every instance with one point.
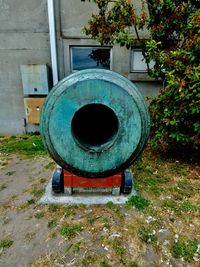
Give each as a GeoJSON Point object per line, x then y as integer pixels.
{"type": "Point", "coordinates": [24, 39]}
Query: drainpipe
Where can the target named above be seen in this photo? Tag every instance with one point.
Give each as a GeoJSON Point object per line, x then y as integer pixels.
{"type": "Point", "coordinates": [52, 35]}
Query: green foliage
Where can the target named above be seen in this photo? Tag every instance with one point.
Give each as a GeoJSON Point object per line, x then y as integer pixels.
{"type": "Point", "coordinates": [139, 202]}
{"type": "Point", "coordinates": [69, 231]}
{"type": "Point", "coordinates": [186, 249]}
{"type": "Point", "coordinates": [174, 47]}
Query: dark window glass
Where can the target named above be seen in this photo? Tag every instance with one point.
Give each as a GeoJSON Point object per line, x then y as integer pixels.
{"type": "Point", "coordinates": [90, 57]}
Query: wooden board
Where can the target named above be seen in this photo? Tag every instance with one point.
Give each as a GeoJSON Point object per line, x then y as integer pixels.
{"type": "Point", "coordinates": [33, 108]}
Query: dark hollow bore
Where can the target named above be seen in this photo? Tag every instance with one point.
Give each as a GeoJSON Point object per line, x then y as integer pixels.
{"type": "Point", "coordinates": [94, 125]}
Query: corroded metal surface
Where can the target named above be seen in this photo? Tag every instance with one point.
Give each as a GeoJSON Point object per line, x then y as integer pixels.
{"type": "Point", "coordinates": [116, 119]}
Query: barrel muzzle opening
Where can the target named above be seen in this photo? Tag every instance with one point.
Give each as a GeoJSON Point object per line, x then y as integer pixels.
{"type": "Point", "coordinates": [95, 127]}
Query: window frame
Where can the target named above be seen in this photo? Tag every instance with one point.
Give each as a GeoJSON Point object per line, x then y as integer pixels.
{"type": "Point", "coordinates": [132, 70]}
{"type": "Point", "coordinates": [88, 47]}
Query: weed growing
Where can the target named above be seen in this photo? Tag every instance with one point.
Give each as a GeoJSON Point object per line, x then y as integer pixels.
{"type": "Point", "coordinates": [69, 231]}
{"type": "Point", "coordinates": [116, 244]}
{"type": "Point", "coordinates": [5, 243]}
{"type": "Point", "coordinates": [138, 202]}
{"type": "Point", "coordinates": [186, 249]}
{"type": "Point", "coordinates": [52, 223]}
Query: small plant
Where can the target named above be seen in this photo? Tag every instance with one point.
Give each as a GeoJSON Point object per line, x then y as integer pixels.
{"type": "Point", "coordinates": [39, 215]}
{"type": "Point", "coordinates": [52, 223]}
{"type": "Point", "coordinates": [50, 165]}
{"type": "Point", "coordinates": [87, 260]}
{"type": "Point", "coordinates": [76, 247]}
{"type": "Point", "coordinates": [37, 192]}
{"type": "Point", "coordinates": [29, 236]}
{"type": "Point", "coordinates": [112, 206]}
{"type": "Point", "coordinates": [138, 202]}
{"type": "Point", "coordinates": [53, 207]}
{"type": "Point", "coordinates": [68, 211]}
{"type": "Point", "coordinates": [104, 264]}
{"type": "Point", "coordinates": [117, 246]}
{"type": "Point", "coordinates": [10, 173]}
{"type": "Point", "coordinates": [185, 249]}
{"type": "Point", "coordinates": [5, 243]}
{"type": "Point", "coordinates": [2, 187]}
{"type": "Point", "coordinates": [69, 231]}
{"type": "Point", "coordinates": [90, 220]}
{"type": "Point", "coordinates": [147, 235]}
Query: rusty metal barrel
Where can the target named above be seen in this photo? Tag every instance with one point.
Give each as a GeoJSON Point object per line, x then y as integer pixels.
{"type": "Point", "coordinates": [95, 123]}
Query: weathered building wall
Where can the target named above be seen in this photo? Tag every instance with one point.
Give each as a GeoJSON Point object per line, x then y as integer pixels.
{"type": "Point", "coordinates": [74, 14]}
{"type": "Point", "coordinates": [24, 39]}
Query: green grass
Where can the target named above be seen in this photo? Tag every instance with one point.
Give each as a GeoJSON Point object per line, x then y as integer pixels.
{"type": "Point", "coordinates": [37, 192]}
{"type": "Point", "coordinates": [69, 231]}
{"type": "Point", "coordinates": [147, 234]}
{"type": "Point", "coordinates": [39, 215]}
{"type": "Point", "coordinates": [50, 165]}
{"type": "Point", "coordinates": [116, 244]}
{"type": "Point", "coordinates": [104, 263]}
{"type": "Point", "coordinates": [29, 145]}
{"type": "Point", "coordinates": [76, 247]}
{"type": "Point", "coordinates": [185, 249]}
{"type": "Point", "coordinates": [10, 173]}
{"type": "Point", "coordinates": [5, 243]}
{"type": "Point", "coordinates": [88, 260]}
{"type": "Point", "coordinates": [3, 186]}
{"type": "Point", "coordinates": [52, 223]}
{"type": "Point", "coordinates": [138, 202]}
{"type": "Point", "coordinates": [180, 207]}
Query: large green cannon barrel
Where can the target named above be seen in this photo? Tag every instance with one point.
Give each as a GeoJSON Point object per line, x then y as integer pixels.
{"type": "Point", "coordinates": [95, 123]}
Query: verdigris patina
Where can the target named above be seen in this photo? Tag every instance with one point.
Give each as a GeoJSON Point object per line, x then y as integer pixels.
{"type": "Point", "coordinates": [95, 123]}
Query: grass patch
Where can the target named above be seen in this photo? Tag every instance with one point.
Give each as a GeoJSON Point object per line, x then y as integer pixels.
{"type": "Point", "coordinates": [10, 173]}
{"type": "Point", "coordinates": [3, 186]}
{"type": "Point", "coordinates": [5, 243]}
{"type": "Point", "coordinates": [39, 215]}
{"type": "Point", "coordinates": [69, 231]}
{"type": "Point", "coordinates": [53, 207]}
{"type": "Point", "coordinates": [104, 263]}
{"type": "Point", "coordinates": [116, 244]}
{"type": "Point", "coordinates": [76, 247]}
{"type": "Point", "coordinates": [37, 192]}
{"type": "Point", "coordinates": [29, 145]}
{"type": "Point", "coordinates": [88, 259]}
{"type": "Point", "coordinates": [147, 234]}
{"type": "Point", "coordinates": [138, 202]}
{"type": "Point", "coordinates": [185, 249]}
{"type": "Point", "coordinates": [52, 223]}
{"type": "Point", "coordinates": [180, 207]}
{"type": "Point", "coordinates": [50, 166]}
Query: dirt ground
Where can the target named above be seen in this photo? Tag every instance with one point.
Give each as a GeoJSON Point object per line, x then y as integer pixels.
{"type": "Point", "coordinates": [165, 232]}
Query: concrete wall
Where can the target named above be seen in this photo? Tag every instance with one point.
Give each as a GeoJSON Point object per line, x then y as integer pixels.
{"type": "Point", "coordinates": [24, 39]}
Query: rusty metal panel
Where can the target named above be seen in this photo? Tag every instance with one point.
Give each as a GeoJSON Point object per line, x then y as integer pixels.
{"type": "Point", "coordinates": [33, 108]}
{"type": "Point", "coordinates": [35, 79]}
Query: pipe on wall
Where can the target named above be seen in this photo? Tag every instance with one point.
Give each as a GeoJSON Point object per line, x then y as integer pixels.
{"type": "Point", "coordinates": [52, 35]}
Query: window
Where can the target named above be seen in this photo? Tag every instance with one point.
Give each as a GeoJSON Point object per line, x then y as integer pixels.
{"type": "Point", "coordinates": [90, 57]}
{"type": "Point", "coordinates": [138, 63]}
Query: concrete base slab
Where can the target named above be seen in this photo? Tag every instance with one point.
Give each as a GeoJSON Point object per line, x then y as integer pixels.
{"type": "Point", "coordinates": [87, 199]}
